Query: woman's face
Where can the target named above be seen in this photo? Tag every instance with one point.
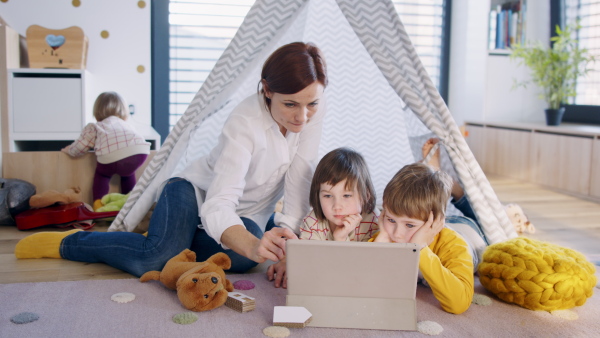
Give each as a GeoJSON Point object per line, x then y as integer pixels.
{"type": "Point", "coordinates": [293, 111]}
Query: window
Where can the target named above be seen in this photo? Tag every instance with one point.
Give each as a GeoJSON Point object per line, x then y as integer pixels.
{"type": "Point", "coordinates": [588, 14]}
{"type": "Point", "coordinates": [199, 33]}
{"type": "Point", "coordinates": [200, 30]}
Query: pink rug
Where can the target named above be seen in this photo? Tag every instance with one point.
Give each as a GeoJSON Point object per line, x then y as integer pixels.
{"type": "Point", "coordinates": [85, 309]}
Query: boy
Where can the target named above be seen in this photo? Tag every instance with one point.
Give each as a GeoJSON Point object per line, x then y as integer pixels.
{"type": "Point", "coordinates": [414, 207]}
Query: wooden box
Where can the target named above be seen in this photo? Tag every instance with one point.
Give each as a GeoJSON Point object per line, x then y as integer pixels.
{"type": "Point", "coordinates": [56, 48]}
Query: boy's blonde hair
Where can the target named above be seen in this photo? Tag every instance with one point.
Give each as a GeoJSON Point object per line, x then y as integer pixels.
{"type": "Point", "coordinates": [110, 104]}
{"type": "Point", "coordinates": [416, 190]}
{"type": "Point", "coordinates": [338, 165]}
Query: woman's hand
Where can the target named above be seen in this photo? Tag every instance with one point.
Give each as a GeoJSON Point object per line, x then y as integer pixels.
{"type": "Point", "coordinates": [277, 272]}
{"type": "Point", "coordinates": [425, 235]}
{"type": "Point", "coordinates": [272, 245]}
{"type": "Point", "coordinates": [349, 223]}
{"type": "Point", "coordinates": [383, 236]}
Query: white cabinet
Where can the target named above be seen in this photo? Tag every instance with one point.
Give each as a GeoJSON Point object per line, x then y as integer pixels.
{"type": "Point", "coordinates": [48, 108]}
{"type": "Point", "coordinates": [45, 105]}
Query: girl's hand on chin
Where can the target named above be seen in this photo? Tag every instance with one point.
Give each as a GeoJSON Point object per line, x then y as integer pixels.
{"type": "Point", "coordinates": [349, 223]}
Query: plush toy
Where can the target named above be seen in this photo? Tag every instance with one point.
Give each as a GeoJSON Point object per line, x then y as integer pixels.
{"type": "Point", "coordinates": [50, 197]}
{"type": "Point", "coordinates": [111, 202]}
{"type": "Point", "coordinates": [519, 219]}
{"type": "Point", "coordinates": [201, 286]}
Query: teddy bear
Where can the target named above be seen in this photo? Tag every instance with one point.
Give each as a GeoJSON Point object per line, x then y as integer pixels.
{"type": "Point", "coordinates": [50, 197]}
{"type": "Point", "coordinates": [519, 219]}
{"type": "Point", "coordinates": [200, 286]}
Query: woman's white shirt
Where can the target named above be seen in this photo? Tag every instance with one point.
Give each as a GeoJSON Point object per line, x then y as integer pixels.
{"type": "Point", "coordinates": [252, 167]}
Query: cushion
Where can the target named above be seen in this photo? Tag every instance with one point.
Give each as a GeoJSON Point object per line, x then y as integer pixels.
{"type": "Point", "coordinates": [537, 275]}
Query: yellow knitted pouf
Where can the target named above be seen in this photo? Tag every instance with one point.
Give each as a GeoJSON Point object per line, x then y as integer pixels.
{"type": "Point", "coordinates": [537, 275]}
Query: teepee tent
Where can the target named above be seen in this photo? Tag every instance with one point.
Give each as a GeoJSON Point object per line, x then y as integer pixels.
{"type": "Point", "coordinates": [380, 100]}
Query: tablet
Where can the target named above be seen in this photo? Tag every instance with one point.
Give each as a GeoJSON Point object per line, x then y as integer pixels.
{"type": "Point", "coordinates": [354, 284]}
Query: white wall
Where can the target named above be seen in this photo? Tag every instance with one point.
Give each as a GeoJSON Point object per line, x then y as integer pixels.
{"type": "Point", "coordinates": [468, 56]}
{"type": "Point", "coordinates": [112, 62]}
{"type": "Point", "coordinates": [481, 84]}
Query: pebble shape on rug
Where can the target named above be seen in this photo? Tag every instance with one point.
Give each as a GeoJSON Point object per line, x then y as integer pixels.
{"type": "Point", "coordinates": [565, 314]}
{"type": "Point", "coordinates": [185, 318]}
{"type": "Point", "coordinates": [243, 285]}
{"type": "Point", "coordinates": [122, 297]}
{"type": "Point", "coordinates": [276, 331]}
{"type": "Point", "coordinates": [429, 327]}
{"type": "Point", "coordinates": [24, 318]}
{"type": "Point", "coordinates": [480, 299]}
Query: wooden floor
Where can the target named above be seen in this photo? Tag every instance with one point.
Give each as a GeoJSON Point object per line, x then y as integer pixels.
{"type": "Point", "coordinates": [558, 218]}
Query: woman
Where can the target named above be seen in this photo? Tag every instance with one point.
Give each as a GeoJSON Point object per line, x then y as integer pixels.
{"type": "Point", "coordinates": [266, 150]}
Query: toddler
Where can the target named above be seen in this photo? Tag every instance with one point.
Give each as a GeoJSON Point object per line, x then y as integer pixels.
{"type": "Point", "coordinates": [119, 148]}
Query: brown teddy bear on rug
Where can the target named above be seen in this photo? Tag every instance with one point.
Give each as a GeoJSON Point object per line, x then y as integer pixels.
{"type": "Point", "coordinates": [201, 286]}
{"type": "Point", "coordinates": [51, 197]}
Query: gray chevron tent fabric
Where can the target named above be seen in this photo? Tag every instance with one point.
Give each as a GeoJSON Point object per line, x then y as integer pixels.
{"type": "Point", "coordinates": [380, 100]}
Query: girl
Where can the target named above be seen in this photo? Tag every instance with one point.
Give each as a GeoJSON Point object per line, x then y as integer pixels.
{"type": "Point", "coordinates": [342, 198]}
{"type": "Point", "coordinates": [120, 150]}
{"type": "Point", "coordinates": [224, 201]}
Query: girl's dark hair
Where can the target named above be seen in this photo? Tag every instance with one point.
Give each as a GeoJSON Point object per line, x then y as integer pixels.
{"type": "Point", "coordinates": [338, 165]}
{"type": "Point", "coordinates": [291, 68]}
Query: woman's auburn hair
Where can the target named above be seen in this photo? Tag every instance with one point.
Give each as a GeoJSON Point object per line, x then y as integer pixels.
{"type": "Point", "coordinates": [416, 190]}
{"type": "Point", "coordinates": [109, 104]}
{"type": "Point", "coordinates": [338, 165]}
{"type": "Point", "coordinates": [291, 68]}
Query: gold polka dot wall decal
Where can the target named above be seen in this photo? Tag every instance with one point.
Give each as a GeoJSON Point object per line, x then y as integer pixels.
{"type": "Point", "coordinates": [141, 4]}
{"type": "Point", "coordinates": [3, 0]}
{"type": "Point", "coordinates": [104, 34]}
{"type": "Point", "coordinates": [141, 69]}
{"type": "Point", "coordinates": [76, 3]}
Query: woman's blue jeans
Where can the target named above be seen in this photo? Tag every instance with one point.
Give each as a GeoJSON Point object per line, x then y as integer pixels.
{"type": "Point", "coordinates": [173, 228]}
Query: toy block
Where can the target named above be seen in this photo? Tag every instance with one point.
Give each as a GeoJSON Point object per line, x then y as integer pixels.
{"type": "Point", "coordinates": [240, 302]}
{"type": "Point", "coordinates": [291, 316]}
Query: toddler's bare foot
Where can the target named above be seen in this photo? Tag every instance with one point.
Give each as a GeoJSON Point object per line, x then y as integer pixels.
{"type": "Point", "coordinates": [434, 159]}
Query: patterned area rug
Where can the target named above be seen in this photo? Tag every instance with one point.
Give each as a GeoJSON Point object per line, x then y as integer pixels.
{"type": "Point", "coordinates": [85, 309]}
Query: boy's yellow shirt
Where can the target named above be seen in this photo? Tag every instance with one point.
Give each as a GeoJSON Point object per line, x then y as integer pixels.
{"type": "Point", "coordinates": [447, 266]}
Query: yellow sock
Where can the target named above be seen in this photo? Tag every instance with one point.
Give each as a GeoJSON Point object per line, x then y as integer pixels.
{"type": "Point", "coordinates": [97, 204]}
{"type": "Point", "coordinates": [42, 245]}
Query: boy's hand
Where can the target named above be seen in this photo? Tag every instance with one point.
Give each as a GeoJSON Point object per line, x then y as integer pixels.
{"type": "Point", "coordinates": [425, 235]}
{"type": "Point", "coordinates": [350, 223]}
{"type": "Point", "coordinates": [65, 149]}
{"type": "Point", "coordinates": [383, 236]}
{"type": "Point", "coordinates": [277, 272]}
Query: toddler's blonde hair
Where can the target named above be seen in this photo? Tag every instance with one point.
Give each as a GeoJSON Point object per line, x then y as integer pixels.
{"type": "Point", "coordinates": [110, 104]}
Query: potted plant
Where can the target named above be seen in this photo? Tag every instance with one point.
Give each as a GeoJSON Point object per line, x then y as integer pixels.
{"type": "Point", "coordinates": [554, 69]}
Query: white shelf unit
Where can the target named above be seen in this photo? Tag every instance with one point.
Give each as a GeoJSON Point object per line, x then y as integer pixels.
{"type": "Point", "coordinates": [45, 105]}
